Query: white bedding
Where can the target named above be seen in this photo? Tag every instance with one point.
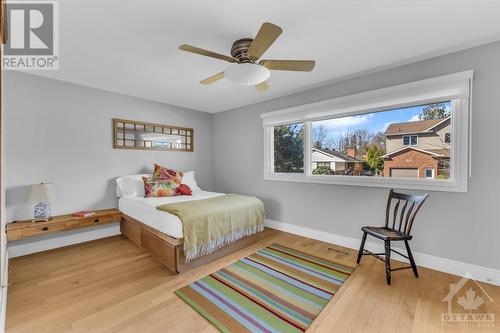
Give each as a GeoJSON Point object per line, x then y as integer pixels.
{"type": "Point", "coordinates": [144, 210]}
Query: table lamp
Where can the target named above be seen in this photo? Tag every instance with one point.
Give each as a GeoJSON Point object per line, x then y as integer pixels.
{"type": "Point", "coordinates": [41, 195]}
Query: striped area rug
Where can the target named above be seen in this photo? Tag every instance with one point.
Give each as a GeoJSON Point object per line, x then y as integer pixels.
{"type": "Point", "coordinates": [276, 289]}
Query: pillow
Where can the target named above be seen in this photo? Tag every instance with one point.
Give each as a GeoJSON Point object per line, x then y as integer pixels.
{"type": "Point", "coordinates": [190, 181]}
{"type": "Point", "coordinates": [130, 186]}
{"type": "Point", "coordinates": [160, 188]}
{"type": "Point", "coordinates": [162, 173]}
{"type": "Point", "coordinates": [183, 190]}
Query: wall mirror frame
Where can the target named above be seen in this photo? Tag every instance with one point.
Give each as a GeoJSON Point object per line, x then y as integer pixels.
{"type": "Point", "coordinates": [138, 135]}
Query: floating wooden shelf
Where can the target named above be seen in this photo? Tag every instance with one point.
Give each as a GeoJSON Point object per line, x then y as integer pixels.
{"type": "Point", "coordinates": [24, 229]}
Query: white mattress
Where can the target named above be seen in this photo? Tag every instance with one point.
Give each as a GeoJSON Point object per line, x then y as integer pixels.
{"type": "Point", "coordinates": [144, 210]}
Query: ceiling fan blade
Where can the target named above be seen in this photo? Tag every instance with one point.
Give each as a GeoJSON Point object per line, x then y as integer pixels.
{"type": "Point", "coordinates": [266, 36]}
{"type": "Point", "coordinates": [197, 50]}
{"type": "Point", "coordinates": [262, 86]}
{"type": "Point", "coordinates": [213, 78]}
{"type": "Point", "coordinates": [289, 65]}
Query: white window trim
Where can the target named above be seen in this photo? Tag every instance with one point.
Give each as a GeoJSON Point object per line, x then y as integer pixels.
{"type": "Point", "coordinates": [455, 87]}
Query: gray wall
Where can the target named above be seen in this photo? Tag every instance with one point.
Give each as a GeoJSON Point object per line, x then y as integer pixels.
{"type": "Point", "coordinates": [463, 227]}
{"type": "Point", "coordinates": [62, 133]}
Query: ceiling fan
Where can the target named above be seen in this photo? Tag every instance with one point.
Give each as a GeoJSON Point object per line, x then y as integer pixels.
{"type": "Point", "coordinates": [246, 69]}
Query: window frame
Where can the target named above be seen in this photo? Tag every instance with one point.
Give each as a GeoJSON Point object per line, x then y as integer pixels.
{"type": "Point", "coordinates": [455, 87]}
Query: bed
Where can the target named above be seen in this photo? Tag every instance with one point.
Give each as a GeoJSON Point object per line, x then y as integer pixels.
{"type": "Point", "coordinates": [159, 232]}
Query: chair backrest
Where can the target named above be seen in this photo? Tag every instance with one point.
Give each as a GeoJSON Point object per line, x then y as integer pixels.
{"type": "Point", "coordinates": [404, 210]}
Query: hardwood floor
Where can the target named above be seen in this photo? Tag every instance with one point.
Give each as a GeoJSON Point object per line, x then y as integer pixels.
{"type": "Point", "coordinates": [111, 285]}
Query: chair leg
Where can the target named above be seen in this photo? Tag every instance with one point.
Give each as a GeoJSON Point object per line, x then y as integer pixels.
{"type": "Point", "coordinates": [387, 245]}
{"type": "Point", "coordinates": [361, 248]}
{"type": "Point", "coordinates": [412, 261]}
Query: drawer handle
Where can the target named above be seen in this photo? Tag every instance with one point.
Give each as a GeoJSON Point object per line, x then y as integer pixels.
{"type": "Point", "coordinates": [96, 220]}
{"type": "Point", "coordinates": [45, 228]}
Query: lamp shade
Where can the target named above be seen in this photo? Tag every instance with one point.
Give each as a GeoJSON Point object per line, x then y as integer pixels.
{"type": "Point", "coordinates": [247, 74]}
{"type": "Point", "coordinates": [42, 193]}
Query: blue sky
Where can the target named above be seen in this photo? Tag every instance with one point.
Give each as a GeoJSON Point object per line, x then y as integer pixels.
{"type": "Point", "coordinates": [373, 122]}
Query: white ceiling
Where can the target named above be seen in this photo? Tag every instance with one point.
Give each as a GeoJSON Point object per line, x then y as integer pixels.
{"type": "Point", "coordinates": [130, 47]}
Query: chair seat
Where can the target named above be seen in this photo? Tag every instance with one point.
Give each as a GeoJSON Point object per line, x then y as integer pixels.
{"type": "Point", "coordinates": [386, 233]}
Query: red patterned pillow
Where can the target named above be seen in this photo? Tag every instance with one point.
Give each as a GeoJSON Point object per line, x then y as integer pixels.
{"type": "Point", "coordinates": [159, 188]}
{"type": "Point", "coordinates": [183, 189]}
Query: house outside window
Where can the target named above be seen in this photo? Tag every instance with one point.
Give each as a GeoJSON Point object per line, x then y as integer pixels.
{"type": "Point", "coordinates": [424, 157]}
{"type": "Point", "coordinates": [410, 140]}
{"type": "Point", "coordinates": [325, 161]}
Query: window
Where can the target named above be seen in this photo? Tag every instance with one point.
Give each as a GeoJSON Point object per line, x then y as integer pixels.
{"type": "Point", "coordinates": [410, 140]}
{"type": "Point", "coordinates": [447, 137]}
{"type": "Point", "coordinates": [289, 148]}
{"type": "Point", "coordinates": [429, 173]}
{"type": "Point", "coordinates": [371, 144]}
{"type": "Point", "coordinates": [323, 164]}
{"type": "Point", "coordinates": [374, 138]}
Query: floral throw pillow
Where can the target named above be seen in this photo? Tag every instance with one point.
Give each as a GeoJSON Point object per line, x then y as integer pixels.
{"type": "Point", "coordinates": [162, 173]}
{"type": "Point", "coordinates": [159, 188]}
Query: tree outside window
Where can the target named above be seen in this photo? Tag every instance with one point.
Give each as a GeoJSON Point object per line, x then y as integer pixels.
{"type": "Point", "coordinates": [289, 148]}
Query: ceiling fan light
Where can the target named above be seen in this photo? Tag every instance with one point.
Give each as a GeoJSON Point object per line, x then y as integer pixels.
{"type": "Point", "coordinates": [247, 74]}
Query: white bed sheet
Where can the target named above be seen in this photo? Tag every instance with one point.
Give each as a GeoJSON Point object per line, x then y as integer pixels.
{"type": "Point", "coordinates": [144, 210]}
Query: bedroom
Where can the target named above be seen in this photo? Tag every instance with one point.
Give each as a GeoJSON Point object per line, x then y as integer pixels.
{"type": "Point", "coordinates": [381, 99]}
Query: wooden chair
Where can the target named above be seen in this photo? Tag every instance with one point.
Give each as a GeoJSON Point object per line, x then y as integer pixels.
{"type": "Point", "coordinates": [404, 211]}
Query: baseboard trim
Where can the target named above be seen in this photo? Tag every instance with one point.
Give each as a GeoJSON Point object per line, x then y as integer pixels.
{"type": "Point", "coordinates": [480, 273]}
{"type": "Point", "coordinates": [28, 246]}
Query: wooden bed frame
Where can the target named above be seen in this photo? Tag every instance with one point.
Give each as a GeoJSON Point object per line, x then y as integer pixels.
{"type": "Point", "coordinates": [169, 250]}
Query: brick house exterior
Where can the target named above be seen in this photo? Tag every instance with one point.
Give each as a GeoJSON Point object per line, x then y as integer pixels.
{"type": "Point", "coordinates": [411, 159]}
{"type": "Point", "coordinates": [418, 149]}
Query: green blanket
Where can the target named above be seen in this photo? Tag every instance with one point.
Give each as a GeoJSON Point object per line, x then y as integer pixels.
{"type": "Point", "coordinates": [210, 224]}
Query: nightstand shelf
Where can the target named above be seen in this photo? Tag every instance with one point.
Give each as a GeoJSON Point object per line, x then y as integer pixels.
{"type": "Point", "coordinates": [24, 229]}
